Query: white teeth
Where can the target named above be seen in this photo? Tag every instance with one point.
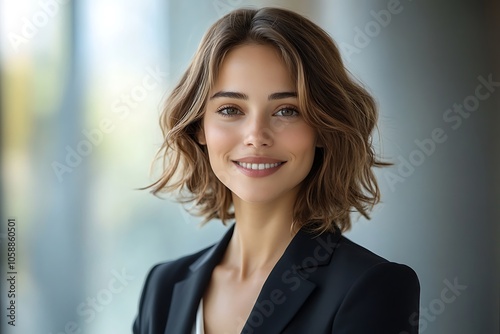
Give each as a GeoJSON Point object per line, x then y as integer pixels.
{"type": "Point", "coordinates": [258, 166]}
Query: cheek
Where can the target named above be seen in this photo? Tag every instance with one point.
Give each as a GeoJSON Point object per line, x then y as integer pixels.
{"type": "Point", "coordinates": [300, 139]}
{"type": "Point", "coordinates": [220, 141]}
{"type": "Point", "coordinates": [218, 136]}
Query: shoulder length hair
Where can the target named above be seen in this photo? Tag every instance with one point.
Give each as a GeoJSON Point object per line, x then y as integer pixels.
{"type": "Point", "coordinates": [339, 109]}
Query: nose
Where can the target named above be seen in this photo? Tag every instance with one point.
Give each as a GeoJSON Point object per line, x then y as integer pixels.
{"type": "Point", "coordinates": [257, 132]}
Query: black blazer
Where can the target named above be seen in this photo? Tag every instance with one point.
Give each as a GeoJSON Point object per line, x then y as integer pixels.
{"type": "Point", "coordinates": [325, 284]}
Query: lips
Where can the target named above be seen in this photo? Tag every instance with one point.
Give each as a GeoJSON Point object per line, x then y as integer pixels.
{"type": "Point", "coordinates": [258, 166]}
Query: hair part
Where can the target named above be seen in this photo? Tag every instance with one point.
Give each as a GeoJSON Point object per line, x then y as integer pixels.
{"type": "Point", "coordinates": [339, 109]}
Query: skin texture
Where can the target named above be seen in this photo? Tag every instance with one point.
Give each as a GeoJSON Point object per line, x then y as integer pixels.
{"type": "Point", "coordinates": [255, 123]}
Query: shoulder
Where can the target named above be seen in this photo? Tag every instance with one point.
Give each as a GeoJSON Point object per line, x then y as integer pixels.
{"type": "Point", "coordinates": [338, 264]}
{"type": "Point", "coordinates": [341, 260]}
{"type": "Point", "coordinates": [360, 266]}
{"type": "Point", "coordinates": [157, 291]}
{"type": "Point", "coordinates": [365, 267]}
{"type": "Point", "coordinates": [385, 294]}
{"type": "Point", "coordinates": [350, 263]}
{"type": "Point", "coordinates": [355, 258]}
{"type": "Point", "coordinates": [159, 287]}
{"type": "Point", "coordinates": [353, 249]}
{"type": "Point", "coordinates": [365, 292]}
{"type": "Point", "coordinates": [163, 276]}
{"type": "Point", "coordinates": [172, 271]}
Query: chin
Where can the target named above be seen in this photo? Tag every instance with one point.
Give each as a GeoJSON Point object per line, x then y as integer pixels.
{"type": "Point", "coordinates": [254, 198]}
{"type": "Point", "coordinates": [263, 195]}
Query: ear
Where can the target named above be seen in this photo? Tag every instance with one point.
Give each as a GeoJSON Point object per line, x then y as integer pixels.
{"type": "Point", "coordinates": [200, 136]}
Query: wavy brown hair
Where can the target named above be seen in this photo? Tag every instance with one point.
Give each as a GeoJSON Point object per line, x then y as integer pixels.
{"type": "Point", "coordinates": [339, 109]}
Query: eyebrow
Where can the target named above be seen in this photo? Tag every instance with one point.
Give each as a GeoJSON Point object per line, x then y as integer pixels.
{"type": "Point", "coordinates": [281, 95]}
{"type": "Point", "coordinates": [232, 95]}
{"type": "Point", "coordinates": [241, 96]}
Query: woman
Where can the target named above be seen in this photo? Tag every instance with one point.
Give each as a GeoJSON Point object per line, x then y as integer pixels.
{"type": "Point", "coordinates": [267, 128]}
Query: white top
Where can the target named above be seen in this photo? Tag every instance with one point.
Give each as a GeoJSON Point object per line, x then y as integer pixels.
{"type": "Point", "coordinates": [198, 327]}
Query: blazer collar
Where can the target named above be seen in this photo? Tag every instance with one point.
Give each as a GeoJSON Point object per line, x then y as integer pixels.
{"type": "Point", "coordinates": [282, 295]}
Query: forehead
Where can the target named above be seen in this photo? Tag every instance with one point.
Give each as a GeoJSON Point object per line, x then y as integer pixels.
{"type": "Point", "coordinates": [253, 66]}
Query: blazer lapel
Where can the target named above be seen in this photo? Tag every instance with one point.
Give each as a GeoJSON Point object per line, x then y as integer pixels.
{"type": "Point", "coordinates": [287, 288]}
{"type": "Point", "coordinates": [188, 293]}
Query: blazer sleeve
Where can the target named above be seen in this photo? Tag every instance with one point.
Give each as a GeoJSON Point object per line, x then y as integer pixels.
{"type": "Point", "coordinates": [384, 300]}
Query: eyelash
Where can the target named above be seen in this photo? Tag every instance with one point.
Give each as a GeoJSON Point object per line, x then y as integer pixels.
{"type": "Point", "coordinates": [296, 112]}
{"type": "Point", "coordinates": [221, 110]}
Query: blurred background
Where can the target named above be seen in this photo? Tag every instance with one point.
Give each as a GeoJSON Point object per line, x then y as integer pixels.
{"type": "Point", "coordinates": [81, 89]}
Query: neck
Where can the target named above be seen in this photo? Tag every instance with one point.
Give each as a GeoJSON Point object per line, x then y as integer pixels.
{"type": "Point", "coordinates": [261, 235]}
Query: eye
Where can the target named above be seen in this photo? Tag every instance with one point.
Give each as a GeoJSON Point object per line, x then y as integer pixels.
{"type": "Point", "coordinates": [228, 111]}
{"type": "Point", "coordinates": [287, 112]}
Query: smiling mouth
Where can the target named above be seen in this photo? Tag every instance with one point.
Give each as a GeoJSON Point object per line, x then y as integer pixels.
{"type": "Point", "coordinates": [254, 166]}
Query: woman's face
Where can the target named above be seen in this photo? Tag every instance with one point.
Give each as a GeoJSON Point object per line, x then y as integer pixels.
{"type": "Point", "coordinates": [258, 143]}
